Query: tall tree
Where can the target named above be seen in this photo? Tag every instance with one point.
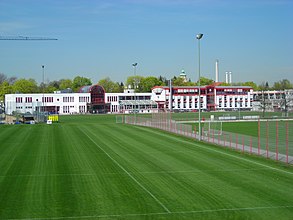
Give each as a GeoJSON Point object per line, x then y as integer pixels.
{"type": "Point", "coordinates": [80, 81]}
{"type": "Point", "coordinates": [149, 82]}
{"type": "Point", "coordinates": [264, 86]}
{"type": "Point", "coordinates": [282, 85]}
{"type": "Point", "coordinates": [135, 82]}
{"type": "Point", "coordinates": [5, 88]}
{"type": "Point", "coordinates": [205, 81]}
{"type": "Point", "coordinates": [3, 77]}
{"type": "Point", "coordinates": [65, 84]}
{"type": "Point", "coordinates": [25, 86]}
{"type": "Point", "coordinates": [251, 84]}
{"type": "Point", "coordinates": [110, 86]}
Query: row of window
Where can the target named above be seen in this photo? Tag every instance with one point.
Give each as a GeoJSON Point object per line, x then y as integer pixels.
{"type": "Point", "coordinates": [84, 99]}
{"type": "Point", "coordinates": [112, 99]}
{"type": "Point", "coordinates": [50, 99]}
{"type": "Point", "coordinates": [221, 105]}
{"type": "Point", "coordinates": [68, 99]}
{"type": "Point", "coordinates": [66, 109]}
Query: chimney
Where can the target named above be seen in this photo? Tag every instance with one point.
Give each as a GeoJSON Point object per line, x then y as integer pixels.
{"type": "Point", "coordinates": [170, 96]}
{"type": "Point", "coordinates": [230, 77]}
{"type": "Point", "coordinates": [217, 71]}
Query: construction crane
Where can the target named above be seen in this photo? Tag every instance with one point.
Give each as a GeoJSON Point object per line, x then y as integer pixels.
{"type": "Point", "coordinates": [25, 38]}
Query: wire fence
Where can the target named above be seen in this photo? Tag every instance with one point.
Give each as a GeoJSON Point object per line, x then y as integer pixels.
{"type": "Point", "coordinates": [273, 141]}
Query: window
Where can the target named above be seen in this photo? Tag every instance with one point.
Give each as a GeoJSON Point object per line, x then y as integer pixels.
{"type": "Point", "coordinates": [18, 100]}
{"type": "Point", "coordinates": [28, 99]}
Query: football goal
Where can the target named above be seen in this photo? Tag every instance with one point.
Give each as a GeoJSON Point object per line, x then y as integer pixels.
{"type": "Point", "coordinates": [212, 127]}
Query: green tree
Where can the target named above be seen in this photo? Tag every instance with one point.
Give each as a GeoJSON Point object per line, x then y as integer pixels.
{"type": "Point", "coordinates": [264, 86]}
{"type": "Point", "coordinates": [25, 86]}
{"type": "Point", "coordinates": [65, 84]}
{"type": "Point", "coordinates": [149, 82]}
{"type": "Point", "coordinates": [282, 85]}
{"type": "Point", "coordinates": [5, 88]}
{"type": "Point", "coordinates": [177, 81]}
{"type": "Point", "coordinates": [251, 84]}
{"type": "Point", "coordinates": [135, 82]}
{"type": "Point", "coordinates": [80, 81]}
{"type": "Point", "coordinates": [205, 81]}
{"type": "Point", "coordinates": [52, 86]}
{"type": "Point", "coordinates": [110, 86]}
{"type": "Point", "coordinates": [163, 81]}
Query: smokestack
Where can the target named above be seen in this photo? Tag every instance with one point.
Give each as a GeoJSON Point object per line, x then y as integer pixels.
{"type": "Point", "coordinates": [226, 78]}
{"type": "Point", "coordinates": [230, 77]}
{"type": "Point", "coordinates": [217, 71]}
{"type": "Point", "coordinates": [170, 96]}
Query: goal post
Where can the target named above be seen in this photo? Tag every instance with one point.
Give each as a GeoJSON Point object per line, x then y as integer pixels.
{"type": "Point", "coordinates": [212, 127]}
{"type": "Point", "coordinates": [120, 119]}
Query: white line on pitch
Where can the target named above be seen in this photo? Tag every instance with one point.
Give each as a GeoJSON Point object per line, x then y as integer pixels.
{"type": "Point", "coordinates": [129, 174]}
{"type": "Point", "coordinates": [157, 213]}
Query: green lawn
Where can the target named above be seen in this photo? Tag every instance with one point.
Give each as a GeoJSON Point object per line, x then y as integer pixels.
{"type": "Point", "coordinates": [246, 128]}
{"type": "Point", "coordinates": [88, 167]}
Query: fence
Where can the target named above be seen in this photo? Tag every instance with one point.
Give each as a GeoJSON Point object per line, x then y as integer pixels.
{"type": "Point", "coordinates": [161, 121]}
{"type": "Point", "coordinates": [274, 139]}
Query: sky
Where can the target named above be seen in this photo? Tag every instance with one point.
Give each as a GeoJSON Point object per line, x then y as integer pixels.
{"type": "Point", "coordinates": [103, 38]}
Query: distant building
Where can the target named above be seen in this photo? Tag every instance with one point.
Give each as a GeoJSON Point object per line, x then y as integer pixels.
{"type": "Point", "coordinates": [212, 97]}
{"type": "Point", "coordinates": [58, 103]}
{"type": "Point", "coordinates": [183, 76]}
{"type": "Point", "coordinates": [275, 100]}
{"type": "Point", "coordinates": [89, 99]}
{"type": "Point", "coordinates": [131, 102]}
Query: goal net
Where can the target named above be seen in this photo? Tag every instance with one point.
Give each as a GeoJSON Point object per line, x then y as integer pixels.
{"type": "Point", "coordinates": [120, 119]}
{"type": "Point", "coordinates": [212, 128]}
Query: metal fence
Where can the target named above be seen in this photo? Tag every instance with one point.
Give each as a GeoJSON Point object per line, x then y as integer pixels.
{"type": "Point", "coordinates": [273, 141]}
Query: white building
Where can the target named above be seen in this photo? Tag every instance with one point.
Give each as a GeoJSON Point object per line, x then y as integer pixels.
{"type": "Point", "coordinates": [60, 103]}
{"type": "Point", "coordinates": [274, 100]}
{"type": "Point", "coordinates": [130, 102]}
{"type": "Point", "coordinates": [90, 99]}
{"type": "Point", "coordinates": [212, 97]}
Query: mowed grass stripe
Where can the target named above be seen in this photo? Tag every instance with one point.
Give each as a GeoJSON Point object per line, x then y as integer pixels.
{"type": "Point", "coordinates": [54, 196]}
{"type": "Point", "coordinates": [129, 174]}
{"type": "Point", "coordinates": [120, 152]}
{"type": "Point", "coordinates": [63, 174]}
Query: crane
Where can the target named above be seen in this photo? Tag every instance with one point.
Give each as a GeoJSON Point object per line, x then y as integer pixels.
{"type": "Point", "coordinates": [25, 38]}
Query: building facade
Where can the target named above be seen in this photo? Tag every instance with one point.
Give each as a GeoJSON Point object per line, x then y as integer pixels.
{"type": "Point", "coordinates": [281, 101]}
{"type": "Point", "coordinates": [212, 98]}
{"type": "Point", "coordinates": [57, 103]}
{"type": "Point", "coordinates": [131, 102]}
{"type": "Point", "coordinates": [89, 99]}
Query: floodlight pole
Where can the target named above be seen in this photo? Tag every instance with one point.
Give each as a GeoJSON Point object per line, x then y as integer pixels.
{"type": "Point", "coordinates": [198, 37]}
{"type": "Point", "coordinates": [43, 70]}
{"type": "Point", "coordinates": [135, 85]}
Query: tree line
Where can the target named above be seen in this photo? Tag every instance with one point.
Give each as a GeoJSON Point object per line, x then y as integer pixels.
{"type": "Point", "coordinates": [10, 85]}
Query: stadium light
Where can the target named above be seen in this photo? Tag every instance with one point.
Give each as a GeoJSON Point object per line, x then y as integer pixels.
{"type": "Point", "coordinates": [135, 85]}
{"type": "Point", "coordinates": [43, 70]}
{"type": "Point", "coordinates": [198, 37]}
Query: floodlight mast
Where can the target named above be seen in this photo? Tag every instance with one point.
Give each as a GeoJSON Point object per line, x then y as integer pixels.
{"type": "Point", "coordinates": [198, 37]}
{"type": "Point", "coordinates": [135, 85]}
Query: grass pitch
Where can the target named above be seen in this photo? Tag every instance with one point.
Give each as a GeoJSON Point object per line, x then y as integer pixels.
{"type": "Point", "coordinates": [88, 167]}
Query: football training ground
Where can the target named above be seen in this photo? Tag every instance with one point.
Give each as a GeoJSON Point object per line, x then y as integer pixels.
{"type": "Point", "coordinates": [89, 167]}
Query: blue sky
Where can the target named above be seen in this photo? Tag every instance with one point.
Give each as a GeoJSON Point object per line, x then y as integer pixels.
{"type": "Point", "coordinates": [100, 38]}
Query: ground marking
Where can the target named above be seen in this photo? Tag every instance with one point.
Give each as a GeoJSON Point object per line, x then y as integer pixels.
{"type": "Point", "coordinates": [157, 213]}
{"type": "Point", "coordinates": [129, 174]}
